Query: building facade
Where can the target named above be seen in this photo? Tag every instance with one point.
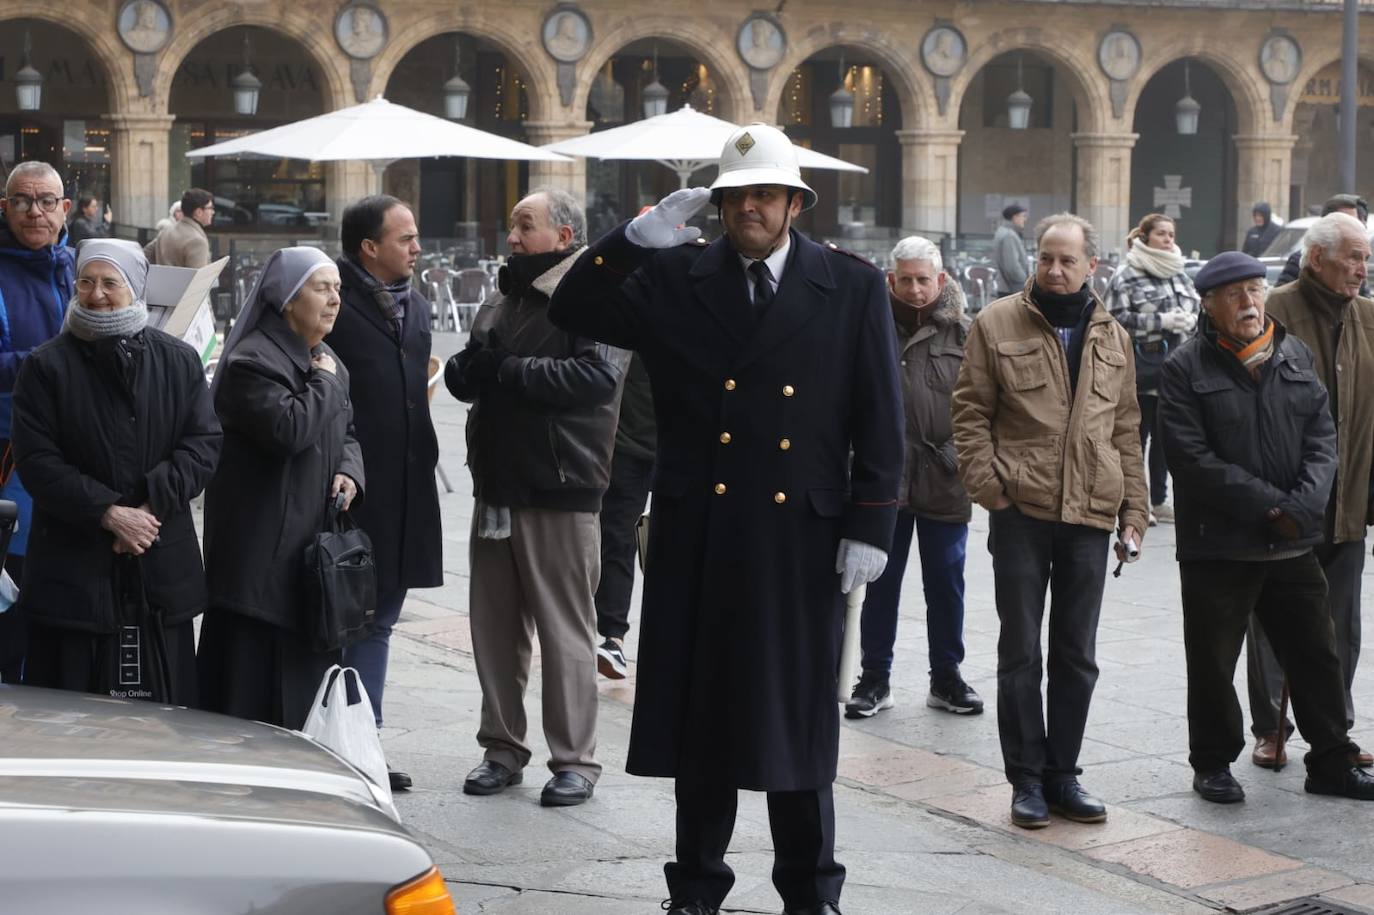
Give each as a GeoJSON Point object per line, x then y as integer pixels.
{"type": "Point", "coordinates": [129, 86]}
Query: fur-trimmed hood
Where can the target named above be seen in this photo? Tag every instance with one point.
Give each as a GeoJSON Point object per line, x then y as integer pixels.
{"type": "Point", "coordinates": [949, 308]}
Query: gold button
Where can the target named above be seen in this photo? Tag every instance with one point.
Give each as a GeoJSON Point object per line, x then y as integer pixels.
{"type": "Point", "coordinates": [725, 438]}
{"type": "Point", "coordinates": [720, 489]}
{"type": "Point", "coordinates": [598, 260]}
{"type": "Point", "coordinates": [784, 444]}
{"type": "Point", "coordinates": [729, 384]}
{"type": "Point", "coordinates": [788, 390]}
{"type": "Point", "coordinates": [779, 497]}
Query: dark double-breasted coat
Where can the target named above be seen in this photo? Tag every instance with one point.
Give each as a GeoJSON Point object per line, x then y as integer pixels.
{"type": "Point", "coordinates": [392, 423]}
{"type": "Point", "coordinates": [753, 490]}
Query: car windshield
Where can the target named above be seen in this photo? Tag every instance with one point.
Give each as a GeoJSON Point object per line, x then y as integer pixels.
{"type": "Point", "coordinates": [1286, 242]}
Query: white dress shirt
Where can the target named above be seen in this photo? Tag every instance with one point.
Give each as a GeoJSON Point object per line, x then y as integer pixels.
{"type": "Point", "coordinates": [775, 262]}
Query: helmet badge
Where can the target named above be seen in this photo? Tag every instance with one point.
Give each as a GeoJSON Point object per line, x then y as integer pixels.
{"type": "Point", "coordinates": [744, 143]}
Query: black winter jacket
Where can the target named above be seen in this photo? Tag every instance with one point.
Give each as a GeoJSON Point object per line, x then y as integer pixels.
{"type": "Point", "coordinates": [541, 435]}
{"type": "Point", "coordinates": [1238, 448]}
{"type": "Point", "coordinates": [114, 422]}
{"type": "Point", "coordinates": [288, 428]}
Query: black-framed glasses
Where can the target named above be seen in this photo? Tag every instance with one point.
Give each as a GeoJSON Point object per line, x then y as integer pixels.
{"type": "Point", "coordinates": [22, 203]}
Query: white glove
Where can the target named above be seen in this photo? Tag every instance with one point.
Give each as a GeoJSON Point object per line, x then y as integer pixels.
{"type": "Point", "coordinates": [664, 225]}
{"type": "Point", "coordinates": [858, 563]}
{"type": "Point", "coordinates": [1168, 320]}
{"type": "Point", "coordinates": [1188, 320]}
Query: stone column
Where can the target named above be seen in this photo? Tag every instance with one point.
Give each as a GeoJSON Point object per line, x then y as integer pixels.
{"type": "Point", "coordinates": [138, 167]}
{"type": "Point", "coordinates": [570, 176]}
{"type": "Point", "coordinates": [1263, 166]}
{"type": "Point", "coordinates": [346, 182]}
{"type": "Point", "coordinates": [930, 179]}
{"type": "Point", "coordinates": [1104, 185]}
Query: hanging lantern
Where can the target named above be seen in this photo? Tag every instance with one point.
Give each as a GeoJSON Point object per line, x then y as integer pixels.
{"type": "Point", "coordinates": [655, 94]}
{"type": "Point", "coordinates": [1187, 112]}
{"type": "Point", "coordinates": [1019, 104]}
{"type": "Point", "coordinates": [246, 86]}
{"type": "Point", "coordinates": [456, 90]}
{"type": "Point", "coordinates": [841, 103]}
{"type": "Point", "coordinates": [28, 82]}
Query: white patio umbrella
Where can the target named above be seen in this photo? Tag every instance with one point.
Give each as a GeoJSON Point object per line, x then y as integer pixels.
{"type": "Point", "coordinates": [683, 140]}
{"type": "Point", "coordinates": [379, 132]}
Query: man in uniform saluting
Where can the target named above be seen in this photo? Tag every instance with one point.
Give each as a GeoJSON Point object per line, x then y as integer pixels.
{"type": "Point", "coordinates": [770, 358]}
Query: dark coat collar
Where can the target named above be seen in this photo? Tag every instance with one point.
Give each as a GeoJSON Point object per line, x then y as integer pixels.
{"type": "Point", "coordinates": [275, 328]}
{"type": "Point", "coordinates": [359, 298]}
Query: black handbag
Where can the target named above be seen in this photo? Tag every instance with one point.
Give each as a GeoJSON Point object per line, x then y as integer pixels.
{"type": "Point", "coordinates": [340, 582]}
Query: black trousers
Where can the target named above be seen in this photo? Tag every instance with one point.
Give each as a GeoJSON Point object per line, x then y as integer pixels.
{"type": "Point", "coordinates": [1152, 446]}
{"type": "Point", "coordinates": [14, 629]}
{"type": "Point", "coordinates": [620, 510]}
{"type": "Point", "coordinates": [805, 872]}
{"type": "Point", "coordinates": [1029, 555]}
{"type": "Point", "coordinates": [1343, 566]}
{"type": "Point", "coordinates": [1288, 597]}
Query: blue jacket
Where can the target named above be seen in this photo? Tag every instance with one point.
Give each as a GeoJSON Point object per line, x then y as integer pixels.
{"type": "Point", "coordinates": [35, 287]}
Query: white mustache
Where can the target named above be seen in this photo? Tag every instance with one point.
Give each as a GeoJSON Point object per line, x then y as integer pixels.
{"type": "Point", "coordinates": [1251, 312]}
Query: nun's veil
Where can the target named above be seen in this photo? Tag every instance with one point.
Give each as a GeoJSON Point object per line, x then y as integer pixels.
{"type": "Point", "coordinates": [285, 272]}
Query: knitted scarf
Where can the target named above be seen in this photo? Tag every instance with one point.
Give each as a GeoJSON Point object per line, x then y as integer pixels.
{"type": "Point", "coordinates": [89, 324]}
{"type": "Point", "coordinates": [1254, 354]}
{"type": "Point", "coordinates": [1162, 264]}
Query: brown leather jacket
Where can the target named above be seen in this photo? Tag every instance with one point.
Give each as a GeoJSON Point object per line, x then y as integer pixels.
{"type": "Point", "coordinates": [1351, 393]}
{"type": "Point", "coordinates": [1020, 432]}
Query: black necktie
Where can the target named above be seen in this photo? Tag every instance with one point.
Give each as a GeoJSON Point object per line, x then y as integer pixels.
{"type": "Point", "coordinates": [763, 289]}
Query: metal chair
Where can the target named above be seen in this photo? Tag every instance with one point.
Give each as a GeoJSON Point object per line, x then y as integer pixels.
{"type": "Point", "coordinates": [436, 371]}
{"type": "Point", "coordinates": [980, 281]}
{"type": "Point", "coordinates": [474, 285]}
{"type": "Point", "coordinates": [1102, 279]}
{"type": "Point", "coordinates": [438, 284]}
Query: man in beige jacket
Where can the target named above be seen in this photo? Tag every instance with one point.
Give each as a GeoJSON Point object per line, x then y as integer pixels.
{"type": "Point", "coordinates": [184, 242]}
{"type": "Point", "coordinates": [1047, 429]}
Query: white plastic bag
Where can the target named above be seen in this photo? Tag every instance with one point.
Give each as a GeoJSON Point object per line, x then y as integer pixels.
{"type": "Point", "coordinates": [9, 591]}
{"type": "Point", "coordinates": [349, 729]}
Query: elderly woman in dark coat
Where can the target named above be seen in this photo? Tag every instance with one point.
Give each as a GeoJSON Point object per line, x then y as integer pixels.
{"type": "Point", "coordinates": [114, 435]}
{"type": "Point", "coordinates": [288, 451]}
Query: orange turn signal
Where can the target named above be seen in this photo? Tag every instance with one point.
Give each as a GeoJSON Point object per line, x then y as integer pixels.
{"type": "Point", "coordinates": [425, 895]}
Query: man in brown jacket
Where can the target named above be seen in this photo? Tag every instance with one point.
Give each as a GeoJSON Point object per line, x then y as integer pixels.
{"type": "Point", "coordinates": [184, 242]}
{"type": "Point", "coordinates": [1048, 434]}
{"type": "Point", "coordinates": [1324, 310]}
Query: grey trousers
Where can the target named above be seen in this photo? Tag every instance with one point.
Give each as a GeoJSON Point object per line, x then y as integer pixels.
{"type": "Point", "coordinates": [1343, 564]}
{"type": "Point", "coordinates": [542, 579]}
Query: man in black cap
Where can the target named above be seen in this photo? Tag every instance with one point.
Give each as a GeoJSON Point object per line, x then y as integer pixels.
{"type": "Point", "coordinates": [1009, 251]}
{"type": "Point", "coordinates": [1252, 447]}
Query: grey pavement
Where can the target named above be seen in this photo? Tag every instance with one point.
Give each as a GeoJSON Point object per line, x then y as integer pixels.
{"type": "Point", "coordinates": [921, 801]}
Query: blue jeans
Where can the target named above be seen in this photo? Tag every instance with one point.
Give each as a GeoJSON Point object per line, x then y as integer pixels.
{"type": "Point", "coordinates": [942, 547]}
{"type": "Point", "coordinates": [369, 656]}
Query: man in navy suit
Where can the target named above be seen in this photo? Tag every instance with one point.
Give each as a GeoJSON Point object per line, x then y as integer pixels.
{"type": "Point", "coordinates": [779, 419]}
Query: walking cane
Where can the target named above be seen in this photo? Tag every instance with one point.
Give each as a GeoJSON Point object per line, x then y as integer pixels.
{"type": "Point", "coordinates": [1280, 759]}
{"type": "Point", "coordinates": [849, 648]}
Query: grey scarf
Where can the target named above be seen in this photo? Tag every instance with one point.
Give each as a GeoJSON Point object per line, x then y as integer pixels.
{"type": "Point", "coordinates": [89, 324]}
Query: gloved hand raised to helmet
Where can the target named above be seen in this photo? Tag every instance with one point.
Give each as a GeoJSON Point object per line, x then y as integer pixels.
{"type": "Point", "coordinates": [665, 225]}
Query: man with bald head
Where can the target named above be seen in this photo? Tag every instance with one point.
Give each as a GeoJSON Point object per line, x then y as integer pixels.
{"type": "Point", "coordinates": [1324, 309]}
{"type": "Point", "coordinates": [36, 282]}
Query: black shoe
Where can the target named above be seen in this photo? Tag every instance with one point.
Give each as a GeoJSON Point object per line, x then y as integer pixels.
{"type": "Point", "coordinates": [566, 789]}
{"type": "Point", "coordinates": [1028, 807]}
{"type": "Point", "coordinates": [1068, 799]}
{"type": "Point", "coordinates": [490, 778]}
{"type": "Point", "coordinates": [871, 696]}
{"type": "Point", "coordinates": [694, 907]}
{"type": "Point", "coordinates": [951, 693]}
{"type": "Point", "coordinates": [610, 660]}
{"type": "Point", "coordinates": [400, 781]}
{"type": "Point", "coordinates": [824, 908]}
{"type": "Point", "coordinates": [1219, 787]}
{"type": "Point", "coordinates": [1354, 783]}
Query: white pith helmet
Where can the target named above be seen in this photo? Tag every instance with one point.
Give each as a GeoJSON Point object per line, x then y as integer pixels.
{"type": "Point", "coordinates": [759, 154]}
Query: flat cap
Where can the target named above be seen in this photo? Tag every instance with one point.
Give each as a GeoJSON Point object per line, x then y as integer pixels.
{"type": "Point", "coordinates": [1227, 267]}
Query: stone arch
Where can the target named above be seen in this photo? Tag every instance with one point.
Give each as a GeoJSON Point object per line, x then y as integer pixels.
{"type": "Point", "coordinates": [898, 63]}
{"type": "Point", "coordinates": [1249, 92]}
{"type": "Point", "coordinates": [511, 39]}
{"type": "Point", "coordinates": [292, 22]}
{"type": "Point", "coordinates": [1310, 68]}
{"type": "Point", "coordinates": [116, 60]}
{"type": "Point", "coordinates": [702, 39]}
{"type": "Point", "coordinates": [1086, 85]}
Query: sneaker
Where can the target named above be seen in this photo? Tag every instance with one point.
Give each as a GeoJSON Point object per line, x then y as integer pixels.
{"type": "Point", "coordinates": [952, 694]}
{"type": "Point", "coordinates": [610, 660]}
{"type": "Point", "coordinates": [871, 696]}
{"type": "Point", "coordinates": [1164, 513]}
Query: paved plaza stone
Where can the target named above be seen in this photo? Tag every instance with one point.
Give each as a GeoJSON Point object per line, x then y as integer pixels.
{"type": "Point", "coordinates": [921, 801]}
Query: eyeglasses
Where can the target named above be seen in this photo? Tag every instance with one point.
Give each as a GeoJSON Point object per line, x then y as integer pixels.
{"type": "Point", "coordinates": [111, 285]}
{"type": "Point", "coordinates": [1247, 293]}
{"type": "Point", "coordinates": [22, 203]}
